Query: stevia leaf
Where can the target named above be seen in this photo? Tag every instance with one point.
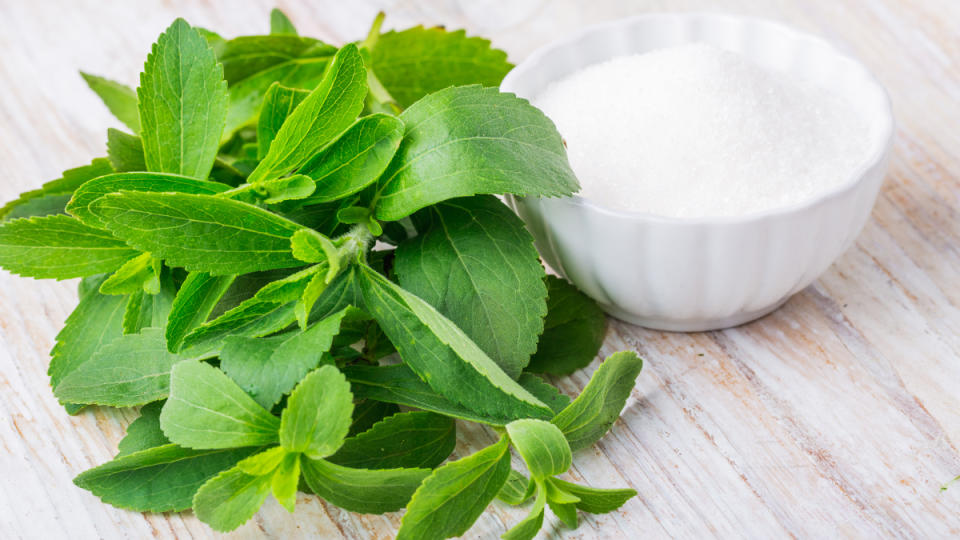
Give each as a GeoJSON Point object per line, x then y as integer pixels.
{"type": "Point", "coordinates": [263, 463]}
{"type": "Point", "coordinates": [160, 479]}
{"type": "Point", "coordinates": [362, 490]}
{"type": "Point", "coordinates": [355, 160]}
{"type": "Point", "coordinates": [193, 304]}
{"type": "Point", "coordinates": [247, 57]}
{"type": "Point", "coordinates": [145, 310]}
{"type": "Point", "coordinates": [467, 140]}
{"type": "Point", "coordinates": [39, 206]}
{"type": "Point", "coordinates": [125, 151]}
{"type": "Point", "coordinates": [119, 98]}
{"type": "Point", "coordinates": [138, 274]}
{"type": "Point", "coordinates": [182, 102]}
{"type": "Point", "coordinates": [230, 499]}
{"type": "Point", "coordinates": [271, 309]}
{"type": "Point", "coordinates": [477, 265]}
{"type": "Point", "coordinates": [288, 188]}
{"type": "Point", "coordinates": [517, 490]}
{"type": "Point", "coordinates": [144, 432]}
{"type": "Point", "coordinates": [252, 63]}
{"type": "Point", "coordinates": [573, 330]}
{"type": "Point", "coordinates": [29, 203]}
{"type": "Point", "coordinates": [398, 384]}
{"type": "Point", "coordinates": [59, 247]}
{"type": "Point", "coordinates": [367, 412]}
{"type": "Point", "coordinates": [200, 232]}
{"type": "Point", "coordinates": [595, 500]}
{"type": "Point", "coordinates": [329, 109]}
{"type": "Point", "coordinates": [441, 354]}
{"type": "Point", "coordinates": [278, 103]}
{"type": "Point", "coordinates": [285, 480]}
{"type": "Point", "coordinates": [318, 414]}
{"type": "Point", "coordinates": [542, 447]}
{"type": "Point", "coordinates": [267, 368]}
{"type": "Point", "coordinates": [134, 181]}
{"type": "Point", "coordinates": [208, 410]}
{"type": "Point", "coordinates": [592, 413]}
{"type": "Point", "coordinates": [418, 61]}
{"type": "Point", "coordinates": [280, 25]}
{"type": "Point", "coordinates": [527, 528]}
{"type": "Point", "coordinates": [544, 391]}
{"type": "Point", "coordinates": [405, 440]}
{"type": "Point", "coordinates": [96, 321]}
{"type": "Point", "coordinates": [454, 495]}
{"type": "Point", "coordinates": [131, 370]}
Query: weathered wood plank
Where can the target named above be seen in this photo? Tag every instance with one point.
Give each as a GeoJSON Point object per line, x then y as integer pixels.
{"type": "Point", "coordinates": [838, 415]}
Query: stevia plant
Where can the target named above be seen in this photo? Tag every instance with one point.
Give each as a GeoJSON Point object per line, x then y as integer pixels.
{"type": "Point", "coordinates": [294, 264]}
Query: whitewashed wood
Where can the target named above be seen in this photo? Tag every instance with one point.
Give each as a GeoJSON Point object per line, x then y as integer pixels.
{"type": "Point", "coordinates": [838, 415]}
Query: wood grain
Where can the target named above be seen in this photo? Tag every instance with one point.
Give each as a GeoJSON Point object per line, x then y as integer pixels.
{"type": "Point", "coordinates": [838, 415]}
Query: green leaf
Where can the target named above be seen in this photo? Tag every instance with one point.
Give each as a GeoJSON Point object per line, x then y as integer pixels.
{"type": "Point", "coordinates": [131, 370]}
{"type": "Point", "coordinates": [310, 246]}
{"type": "Point", "coordinates": [405, 440]}
{"type": "Point", "coordinates": [145, 310]}
{"type": "Point", "coordinates": [477, 265]}
{"type": "Point", "coordinates": [285, 189]}
{"type": "Point", "coordinates": [530, 525]}
{"type": "Point", "coordinates": [59, 247]}
{"type": "Point", "coordinates": [467, 140]}
{"type": "Point", "coordinates": [440, 353]}
{"type": "Point", "coordinates": [517, 490]}
{"type": "Point", "coordinates": [119, 98]}
{"type": "Point", "coordinates": [44, 201]}
{"type": "Point", "coordinates": [230, 499]}
{"type": "Point", "coordinates": [398, 384]}
{"type": "Point", "coordinates": [208, 410]}
{"type": "Point", "coordinates": [125, 151]}
{"type": "Point", "coordinates": [200, 232]}
{"type": "Point", "coordinates": [542, 447]}
{"type": "Point", "coordinates": [595, 500]}
{"type": "Point", "coordinates": [183, 103]}
{"type": "Point", "coordinates": [134, 181]}
{"type": "Point", "coordinates": [270, 310]}
{"type": "Point", "coordinates": [42, 205]}
{"type": "Point", "coordinates": [268, 368]}
{"type": "Point", "coordinates": [278, 103]}
{"type": "Point", "coordinates": [159, 479]}
{"type": "Point", "coordinates": [454, 495]}
{"type": "Point", "coordinates": [563, 504]}
{"type": "Point", "coordinates": [140, 273]}
{"type": "Point", "coordinates": [263, 463]}
{"type": "Point", "coordinates": [329, 109]}
{"type": "Point", "coordinates": [544, 391]}
{"type": "Point", "coordinates": [252, 63]}
{"type": "Point", "coordinates": [280, 24]}
{"type": "Point", "coordinates": [592, 413]}
{"type": "Point", "coordinates": [96, 321]}
{"type": "Point", "coordinates": [367, 412]}
{"type": "Point", "coordinates": [318, 414]}
{"type": "Point", "coordinates": [285, 480]}
{"type": "Point", "coordinates": [419, 61]}
{"type": "Point", "coordinates": [144, 432]}
{"type": "Point", "coordinates": [361, 490]}
{"type": "Point", "coordinates": [572, 332]}
{"type": "Point", "coordinates": [356, 159]}
{"type": "Point", "coordinates": [193, 304]}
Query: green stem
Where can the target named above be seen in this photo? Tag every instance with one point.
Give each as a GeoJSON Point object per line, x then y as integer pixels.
{"type": "Point", "coordinates": [353, 244]}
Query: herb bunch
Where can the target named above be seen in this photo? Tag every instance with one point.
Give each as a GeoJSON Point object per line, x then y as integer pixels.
{"type": "Point", "coordinates": [294, 263]}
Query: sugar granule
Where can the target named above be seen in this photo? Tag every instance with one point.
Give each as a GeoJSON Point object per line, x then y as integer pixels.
{"type": "Point", "coordinates": [697, 131]}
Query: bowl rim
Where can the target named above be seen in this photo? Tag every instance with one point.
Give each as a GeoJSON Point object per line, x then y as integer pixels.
{"type": "Point", "coordinates": [879, 150]}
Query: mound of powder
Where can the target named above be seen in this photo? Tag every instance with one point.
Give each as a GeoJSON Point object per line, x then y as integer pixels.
{"type": "Point", "coordinates": [697, 131]}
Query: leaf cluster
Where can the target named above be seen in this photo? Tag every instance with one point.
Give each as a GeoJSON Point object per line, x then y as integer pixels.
{"type": "Point", "coordinates": [294, 264]}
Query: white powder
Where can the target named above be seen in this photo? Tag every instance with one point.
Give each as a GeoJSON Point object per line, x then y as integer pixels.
{"type": "Point", "coordinates": [696, 131]}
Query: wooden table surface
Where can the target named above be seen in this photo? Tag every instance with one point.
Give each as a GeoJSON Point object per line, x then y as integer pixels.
{"type": "Point", "coordinates": [838, 415]}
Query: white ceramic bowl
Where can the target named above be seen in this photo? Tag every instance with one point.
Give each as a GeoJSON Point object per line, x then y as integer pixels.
{"type": "Point", "coordinates": [686, 274]}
